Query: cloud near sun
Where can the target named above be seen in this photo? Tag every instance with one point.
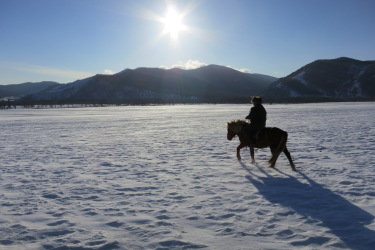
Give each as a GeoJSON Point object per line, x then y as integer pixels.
{"type": "Point", "coordinates": [194, 64]}
{"type": "Point", "coordinates": [190, 64]}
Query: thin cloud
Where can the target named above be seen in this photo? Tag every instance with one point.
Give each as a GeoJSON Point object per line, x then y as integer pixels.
{"type": "Point", "coordinates": [244, 70]}
{"type": "Point", "coordinates": [108, 72]}
{"type": "Point", "coordinates": [241, 70]}
{"type": "Point", "coordinates": [194, 64]}
{"type": "Point", "coordinates": [42, 70]}
{"type": "Point", "coordinates": [190, 64]}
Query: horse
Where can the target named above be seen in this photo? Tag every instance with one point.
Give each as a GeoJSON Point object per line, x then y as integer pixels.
{"type": "Point", "coordinates": [271, 137]}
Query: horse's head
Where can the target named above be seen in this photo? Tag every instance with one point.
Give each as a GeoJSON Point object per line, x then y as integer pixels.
{"type": "Point", "coordinates": [230, 134]}
{"type": "Point", "coordinates": [234, 128]}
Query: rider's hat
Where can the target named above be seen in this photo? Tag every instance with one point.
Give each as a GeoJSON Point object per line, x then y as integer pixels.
{"type": "Point", "coordinates": [256, 99]}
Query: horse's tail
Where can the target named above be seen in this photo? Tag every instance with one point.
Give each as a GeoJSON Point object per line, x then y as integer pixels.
{"type": "Point", "coordinates": [276, 151]}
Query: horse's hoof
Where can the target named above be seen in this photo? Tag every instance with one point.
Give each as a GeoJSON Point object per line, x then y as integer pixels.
{"type": "Point", "coordinates": [252, 162]}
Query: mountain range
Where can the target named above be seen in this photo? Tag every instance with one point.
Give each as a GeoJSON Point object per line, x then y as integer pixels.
{"type": "Point", "coordinates": [209, 83]}
{"type": "Point", "coordinates": [338, 79]}
{"type": "Point", "coordinates": [17, 90]}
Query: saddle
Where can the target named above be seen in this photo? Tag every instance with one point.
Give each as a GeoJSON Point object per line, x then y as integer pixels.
{"type": "Point", "coordinates": [259, 133]}
{"type": "Point", "coordinates": [254, 135]}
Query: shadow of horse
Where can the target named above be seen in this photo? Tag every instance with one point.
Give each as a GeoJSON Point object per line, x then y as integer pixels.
{"type": "Point", "coordinates": [312, 200]}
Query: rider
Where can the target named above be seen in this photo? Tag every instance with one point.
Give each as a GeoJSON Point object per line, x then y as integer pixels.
{"type": "Point", "coordinates": [257, 117]}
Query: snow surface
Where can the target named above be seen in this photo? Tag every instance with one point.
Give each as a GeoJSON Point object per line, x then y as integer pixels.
{"type": "Point", "coordinates": [165, 177]}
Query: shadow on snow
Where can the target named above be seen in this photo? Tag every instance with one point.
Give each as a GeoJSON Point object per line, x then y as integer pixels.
{"type": "Point", "coordinates": [314, 201]}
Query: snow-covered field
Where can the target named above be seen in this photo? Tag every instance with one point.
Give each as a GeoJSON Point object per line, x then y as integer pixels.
{"type": "Point", "coordinates": [165, 177]}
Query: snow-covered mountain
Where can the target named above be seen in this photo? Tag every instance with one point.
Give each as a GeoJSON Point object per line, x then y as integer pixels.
{"type": "Point", "coordinates": [340, 79]}
{"type": "Point", "coordinates": [209, 83]}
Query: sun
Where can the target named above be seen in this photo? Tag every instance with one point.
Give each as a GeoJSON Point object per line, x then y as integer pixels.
{"type": "Point", "coordinates": [173, 23]}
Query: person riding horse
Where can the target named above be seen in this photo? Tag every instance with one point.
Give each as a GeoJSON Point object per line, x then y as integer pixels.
{"type": "Point", "coordinates": [271, 137]}
{"type": "Point", "coordinates": [257, 117]}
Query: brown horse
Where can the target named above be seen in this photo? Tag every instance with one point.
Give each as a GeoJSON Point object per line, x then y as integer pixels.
{"type": "Point", "coordinates": [274, 138]}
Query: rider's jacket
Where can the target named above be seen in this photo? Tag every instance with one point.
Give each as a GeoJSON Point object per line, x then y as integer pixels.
{"type": "Point", "coordinates": [257, 116]}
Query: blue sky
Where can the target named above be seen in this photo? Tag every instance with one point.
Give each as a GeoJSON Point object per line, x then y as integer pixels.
{"type": "Point", "coordinates": [66, 40]}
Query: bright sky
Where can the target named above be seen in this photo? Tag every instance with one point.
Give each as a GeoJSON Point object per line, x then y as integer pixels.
{"type": "Point", "coordinates": [72, 39]}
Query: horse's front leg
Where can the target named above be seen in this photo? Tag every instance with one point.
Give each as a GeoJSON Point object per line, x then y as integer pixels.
{"type": "Point", "coordinates": [252, 154]}
{"type": "Point", "coordinates": [239, 149]}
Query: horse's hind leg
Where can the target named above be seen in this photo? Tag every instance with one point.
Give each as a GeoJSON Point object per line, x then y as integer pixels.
{"type": "Point", "coordinates": [287, 154]}
{"type": "Point", "coordinates": [274, 157]}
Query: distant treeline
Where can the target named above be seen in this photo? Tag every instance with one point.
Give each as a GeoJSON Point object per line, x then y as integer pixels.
{"type": "Point", "coordinates": [7, 104]}
{"type": "Point", "coordinates": [232, 100]}
{"type": "Point", "coordinates": [315, 100]}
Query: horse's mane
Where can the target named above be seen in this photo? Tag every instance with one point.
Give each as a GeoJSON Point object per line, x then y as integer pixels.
{"type": "Point", "coordinates": [236, 125]}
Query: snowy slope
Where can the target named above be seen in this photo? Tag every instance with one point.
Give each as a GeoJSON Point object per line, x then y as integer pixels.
{"type": "Point", "coordinates": [341, 78]}
{"type": "Point", "coordinates": [165, 177]}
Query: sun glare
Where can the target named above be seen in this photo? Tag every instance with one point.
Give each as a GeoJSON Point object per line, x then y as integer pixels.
{"type": "Point", "coordinates": [173, 23]}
